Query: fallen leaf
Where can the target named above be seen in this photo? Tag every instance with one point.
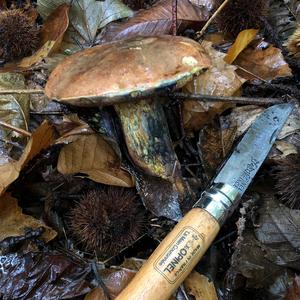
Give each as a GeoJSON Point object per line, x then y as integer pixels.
{"type": "Point", "coordinates": [293, 292]}
{"type": "Point", "coordinates": [71, 128]}
{"type": "Point", "coordinates": [39, 55]}
{"type": "Point", "coordinates": [14, 109]}
{"type": "Point", "coordinates": [156, 20]}
{"type": "Point", "coordinates": [200, 287]}
{"type": "Point", "coordinates": [266, 62]}
{"type": "Point", "coordinates": [87, 16]}
{"type": "Point", "coordinates": [286, 148]}
{"type": "Point", "coordinates": [93, 156]}
{"type": "Point", "coordinates": [13, 223]}
{"type": "Point", "coordinates": [40, 139]}
{"type": "Point", "coordinates": [96, 294]}
{"type": "Point", "coordinates": [243, 39]}
{"type": "Point", "coordinates": [43, 275]}
{"type": "Point", "coordinates": [214, 144]}
{"type": "Point", "coordinates": [220, 80]}
{"type": "Point", "coordinates": [55, 27]}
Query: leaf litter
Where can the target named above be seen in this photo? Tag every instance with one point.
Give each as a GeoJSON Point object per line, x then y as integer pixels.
{"type": "Point", "coordinates": [70, 151]}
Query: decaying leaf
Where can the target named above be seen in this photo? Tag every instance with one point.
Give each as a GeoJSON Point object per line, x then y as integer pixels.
{"type": "Point", "coordinates": [200, 287]}
{"type": "Point", "coordinates": [220, 80]}
{"type": "Point", "coordinates": [13, 223]}
{"type": "Point", "coordinates": [41, 275]}
{"type": "Point", "coordinates": [87, 16]}
{"type": "Point", "coordinates": [71, 128]}
{"type": "Point", "coordinates": [215, 142]}
{"type": "Point", "coordinates": [55, 26]}
{"type": "Point", "coordinates": [264, 61]}
{"type": "Point", "coordinates": [96, 294]}
{"type": "Point", "coordinates": [242, 41]}
{"type": "Point", "coordinates": [157, 20]}
{"type": "Point", "coordinates": [294, 291]}
{"type": "Point", "coordinates": [14, 109]}
{"type": "Point", "coordinates": [39, 55]}
{"type": "Point", "coordinates": [278, 231]}
{"type": "Point", "coordinates": [40, 139]}
{"type": "Point", "coordinates": [93, 156]}
{"type": "Point", "coordinates": [293, 43]}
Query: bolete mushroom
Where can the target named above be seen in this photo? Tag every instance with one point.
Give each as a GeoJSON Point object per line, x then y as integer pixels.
{"type": "Point", "coordinates": [119, 74]}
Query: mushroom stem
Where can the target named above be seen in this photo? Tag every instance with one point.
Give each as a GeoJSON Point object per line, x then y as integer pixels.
{"type": "Point", "coordinates": [147, 138]}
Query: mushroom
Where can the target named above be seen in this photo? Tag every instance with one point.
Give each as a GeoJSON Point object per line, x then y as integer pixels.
{"type": "Point", "coordinates": [121, 73]}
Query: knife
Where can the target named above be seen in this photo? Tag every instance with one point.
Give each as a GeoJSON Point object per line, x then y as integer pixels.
{"type": "Point", "coordinates": [183, 247]}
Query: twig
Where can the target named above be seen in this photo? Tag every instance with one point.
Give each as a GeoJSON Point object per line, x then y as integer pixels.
{"type": "Point", "coordinates": [19, 92]}
{"type": "Point", "coordinates": [16, 129]}
{"type": "Point", "coordinates": [200, 34]}
{"type": "Point", "coordinates": [174, 17]}
{"type": "Point", "coordinates": [236, 100]}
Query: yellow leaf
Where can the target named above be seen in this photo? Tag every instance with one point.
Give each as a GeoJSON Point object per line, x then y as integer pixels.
{"type": "Point", "coordinates": [243, 39]}
{"type": "Point", "coordinates": [40, 54]}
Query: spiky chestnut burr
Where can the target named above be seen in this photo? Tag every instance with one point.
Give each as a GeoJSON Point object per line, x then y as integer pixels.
{"type": "Point", "coordinates": [19, 35]}
{"type": "Point", "coordinates": [287, 174]}
{"type": "Point", "coordinates": [107, 221]}
{"type": "Point", "coordinates": [238, 15]}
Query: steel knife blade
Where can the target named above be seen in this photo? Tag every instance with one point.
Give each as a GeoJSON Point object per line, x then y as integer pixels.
{"type": "Point", "coordinates": [252, 150]}
{"type": "Point", "coordinates": [239, 169]}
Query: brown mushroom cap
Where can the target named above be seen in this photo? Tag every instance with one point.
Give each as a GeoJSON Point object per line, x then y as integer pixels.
{"type": "Point", "coordinates": [138, 66]}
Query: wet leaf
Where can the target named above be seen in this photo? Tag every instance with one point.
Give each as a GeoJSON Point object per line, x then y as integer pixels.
{"type": "Point", "coordinates": [278, 231]}
{"type": "Point", "coordinates": [200, 287]}
{"type": "Point", "coordinates": [55, 26]}
{"type": "Point", "coordinates": [293, 292]}
{"type": "Point", "coordinates": [13, 223]}
{"type": "Point", "coordinates": [92, 155]}
{"type": "Point", "coordinates": [220, 80]}
{"type": "Point", "coordinates": [38, 56]}
{"type": "Point", "coordinates": [87, 16]}
{"type": "Point", "coordinates": [42, 275]}
{"type": "Point", "coordinates": [71, 128]}
{"type": "Point", "coordinates": [266, 62]}
{"type": "Point", "coordinates": [14, 109]}
{"type": "Point", "coordinates": [40, 139]}
{"type": "Point", "coordinates": [242, 41]}
{"type": "Point", "coordinates": [96, 294]}
{"type": "Point", "coordinates": [157, 20]}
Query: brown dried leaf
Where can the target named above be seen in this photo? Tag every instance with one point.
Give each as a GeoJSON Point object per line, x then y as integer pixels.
{"type": "Point", "coordinates": [40, 139]}
{"type": "Point", "coordinates": [214, 144]}
{"type": "Point", "coordinates": [157, 20]}
{"type": "Point", "coordinates": [92, 155]}
{"type": "Point", "coordinates": [200, 287]}
{"type": "Point", "coordinates": [220, 80]}
{"type": "Point", "coordinates": [40, 54]}
{"type": "Point", "coordinates": [96, 294]}
{"type": "Point", "coordinates": [13, 222]}
{"type": "Point", "coordinates": [71, 128]}
{"type": "Point", "coordinates": [242, 41]}
{"type": "Point", "coordinates": [55, 27]}
{"type": "Point", "coordinates": [294, 291]}
{"type": "Point", "coordinates": [267, 63]}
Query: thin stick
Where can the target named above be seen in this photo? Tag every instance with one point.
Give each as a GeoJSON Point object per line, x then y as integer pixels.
{"type": "Point", "coordinates": [174, 17]}
{"type": "Point", "coordinates": [19, 92]}
{"type": "Point", "coordinates": [200, 34]}
{"type": "Point", "coordinates": [236, 100]}
{"type": "Point", "coordinates": [16, 129]}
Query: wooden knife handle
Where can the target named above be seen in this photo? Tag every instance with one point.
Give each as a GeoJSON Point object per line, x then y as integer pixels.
{"type": "Point", "coordinates": [174, 258]}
